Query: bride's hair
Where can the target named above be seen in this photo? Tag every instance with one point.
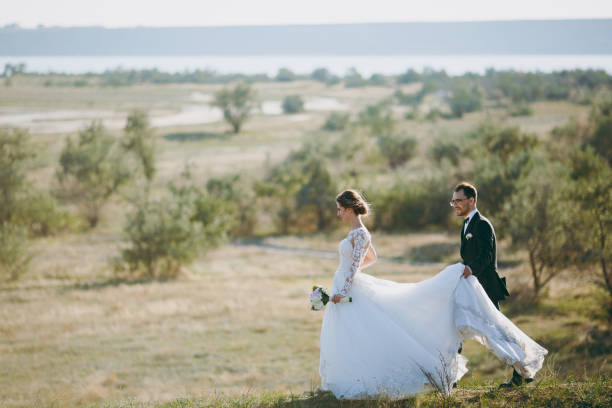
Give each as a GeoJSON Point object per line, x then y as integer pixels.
{"type": "Point", "coordinates": [352, 199]}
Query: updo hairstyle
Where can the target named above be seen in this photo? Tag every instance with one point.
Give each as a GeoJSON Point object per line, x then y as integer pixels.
{"type": "Point", "coordinates": [352, 199]}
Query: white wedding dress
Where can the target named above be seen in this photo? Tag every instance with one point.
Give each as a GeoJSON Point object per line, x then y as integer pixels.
{"type": "Point", "coordinates": [396, 337]}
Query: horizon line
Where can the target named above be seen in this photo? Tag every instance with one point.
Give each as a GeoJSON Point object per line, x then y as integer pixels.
{"type": "Point", "coordinates": [15, 25]}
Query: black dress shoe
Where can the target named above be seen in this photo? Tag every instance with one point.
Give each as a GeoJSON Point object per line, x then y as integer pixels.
{"type": "Point", "coordinates": [516, 381]}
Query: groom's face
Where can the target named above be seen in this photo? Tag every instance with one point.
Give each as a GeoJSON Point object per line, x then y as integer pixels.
{"type": "Point", "coordinates": [461, 203]}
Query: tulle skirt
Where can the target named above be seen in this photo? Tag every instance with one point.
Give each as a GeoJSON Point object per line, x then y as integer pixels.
{"type": "Point", "coordinates": [396, 337]}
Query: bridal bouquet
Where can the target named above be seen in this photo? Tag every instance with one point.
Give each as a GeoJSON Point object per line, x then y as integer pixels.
{"type": "Point", "coordinates": [319, 298]}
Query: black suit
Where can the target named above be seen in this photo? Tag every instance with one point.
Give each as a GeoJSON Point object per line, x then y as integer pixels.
{"type": "Point", "coordinates": [479, 252]}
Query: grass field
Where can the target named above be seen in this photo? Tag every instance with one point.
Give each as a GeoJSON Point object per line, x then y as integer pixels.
{"type": "Point", "coordinates": [234, 329]}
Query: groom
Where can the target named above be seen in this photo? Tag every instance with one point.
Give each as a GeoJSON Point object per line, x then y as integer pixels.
{"type": "Point", "coordinates": [479, 252]}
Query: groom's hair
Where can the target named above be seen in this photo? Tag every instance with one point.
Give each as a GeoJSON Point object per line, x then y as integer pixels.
{"type": "Point", "coordinates": [468, 189]}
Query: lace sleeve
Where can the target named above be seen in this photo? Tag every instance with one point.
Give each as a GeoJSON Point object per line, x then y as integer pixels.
{"type": "Point", "coordinates": [360, 242]}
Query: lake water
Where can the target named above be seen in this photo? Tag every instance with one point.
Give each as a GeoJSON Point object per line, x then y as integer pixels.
{"type": "Point", "coordinates": [366, 65]}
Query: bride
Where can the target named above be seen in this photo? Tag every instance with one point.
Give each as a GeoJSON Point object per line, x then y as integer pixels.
{"type": "Point", "coordinates": [393, 338]}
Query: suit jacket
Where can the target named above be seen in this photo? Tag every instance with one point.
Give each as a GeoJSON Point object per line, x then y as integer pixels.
{"type": "Point", "coordinates": [479, 252]}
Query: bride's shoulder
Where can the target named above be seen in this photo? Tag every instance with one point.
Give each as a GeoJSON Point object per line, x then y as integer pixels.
{"type": "Point", "coordinates": [361, 232]}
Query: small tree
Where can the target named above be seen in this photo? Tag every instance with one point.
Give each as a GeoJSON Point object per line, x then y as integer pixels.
{"type": "Point", "coordinates": [378, 118]}
{"type": "Point", "coordinates": [408, 77]}
{"type": "Point", "coordinates": [237, 104]}
{"type": "Point", "coordinates": [336, 121]}
{"type": "Point", "coordinates": [535, 219]}
{"type": "Point", "coordinates": [293, 104]}
{"type": "Point", "coordinates": [14, 252]}
{"type": "Point", "coordinates": [317, 193]}
{"type": "Point", "coordinates": [397, 149]}
{"type": "Point", "coordinates": [140, 141]}
{"type": "Point", "coordinates": [161, 238]}
{"type": "Point", "coordinates": [15, 152]}
{"type": "Point", "coordinates": [285, 75]}
{"type": "Point", "coordinates": [591, 189]}
{"type": "Point", "coordinates": [279, 190]}
{"type": "Point", "coordinates": [92, 170]}
{"type": "Point", "coordinates": [235, 198]}
{"type": "Point", "coordinates": [464, 101]}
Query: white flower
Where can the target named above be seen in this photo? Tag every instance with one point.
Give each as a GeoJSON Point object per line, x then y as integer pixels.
{"type": "Point", "coordinates": [469, 236]}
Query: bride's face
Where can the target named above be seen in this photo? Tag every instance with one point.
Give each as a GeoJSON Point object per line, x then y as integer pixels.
{"type": "Point", "coordinates": [345, 214]}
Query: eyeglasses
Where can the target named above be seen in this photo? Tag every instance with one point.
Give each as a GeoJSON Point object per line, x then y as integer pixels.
{"type": "Point", "coordinates": [456, 201]}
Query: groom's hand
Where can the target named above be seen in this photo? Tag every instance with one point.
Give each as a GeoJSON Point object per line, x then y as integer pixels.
{"type": "Point", "coordinates": [467, 271]}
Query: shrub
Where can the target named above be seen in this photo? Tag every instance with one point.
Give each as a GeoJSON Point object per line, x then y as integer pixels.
{"type": "Point", "coordinates": [161, 237]}
{"type": "Point", "coordinates": [230, 199]}
{"type": "Point", "coordinates": [140, 141]}
{"type": "Point", "coordinates": [92, 170]}
{"type": "Point", "coordinates": [397, 149]}
{"type": "Point", "coordinates": [378, 118]}
{"type": "Point", "coordinates": [336, 121]}
{"type": "Point", "coordinates": [14, 252]}
{"type": "Point", "coordinates": [323, 75]}
{"type": "Point", "coordinates": [408, 77]}
{"type": "Point", "coordinates": [236, 104]}
{"type": "Point", "coordinates": [42, 215]}
{"type": "Point", "coordinates": [285, 75]}
{"type": "Point", "coordinates": [535, 221]}
{"type": "Point", "coordinates": [293, 104]}
{"type": "Point", "coordinates": [464, 101]}
{"type": "Point", "coordinates": [353, 79]}
{"type": "Point", "coordinates": [520, 109]}
{"type": "Point", "coordinates": [414, 205]}
{"type": "Point", "coordinates": [445, 149]}
{"type": "Point", "coordinates": [377, 80]}
{"type": "Point", "coordinates": [15, 154]}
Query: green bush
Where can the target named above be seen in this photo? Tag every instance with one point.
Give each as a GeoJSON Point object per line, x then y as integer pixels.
{"type": "Point", "coordinates": [14, 252]}
{"type": "Point", "coordinates": [397, 149]}
{"type": "Point", "coordinates": [161, 238]}
{"type": "Point", "coordinates": [520, 109]}
{"type": "Point", "coordinates": [409, 77]}
{"type": "Point", "coordinates": [465, 100]}
{"type": "Point", "coordinates": [15, 155]}
{"type": "Point", "coordinates": [535, 217]}
{"type": "Point", "coordinates": [293, 104]}
{"type": "Point", "coordinates": [323, 75]}
{"type": "Point", "coordinates": [446, 149]}
{"type": "Point", "coordinates": [285, 75]}
{"type": "Point", "coordinates": [378, 118]}
{"type": "Point", "coordinates": [353, 79]}
{"type": "Point", "coordinates": [91, 170]}
{"type": "Point", "coordinates": [377, 80]}
{"type": "Point", "coordinates": [336, 121]}
{"type": "Point", "coordinates": [236, 104]}
{"type": "Point", "coordinates": [42, 215]}
{"type": "Point", "coordinates": [414, 205]}
{"type": "Point", "coordinates": [230, 200]}
{"type": "Point", "coordinates": [139, 140]}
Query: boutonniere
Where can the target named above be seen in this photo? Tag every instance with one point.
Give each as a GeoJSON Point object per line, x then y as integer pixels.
{"type": "Point", "coordinates": [469, 236]}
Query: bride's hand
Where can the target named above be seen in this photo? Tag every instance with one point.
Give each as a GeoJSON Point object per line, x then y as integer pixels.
{"type": "Point", "coordinates": [336, 298]}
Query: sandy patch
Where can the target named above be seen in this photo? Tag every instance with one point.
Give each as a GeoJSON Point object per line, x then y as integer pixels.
{"type": "Point", "coordinates": [72, 120]}
{"type": "Point", "coordinates": [324, 104]}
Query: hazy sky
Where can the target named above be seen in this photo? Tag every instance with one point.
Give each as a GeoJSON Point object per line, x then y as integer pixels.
{"type": "Point", "coordinates": [126, 13]}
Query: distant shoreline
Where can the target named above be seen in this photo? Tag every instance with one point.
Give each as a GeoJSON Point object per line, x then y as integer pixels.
{"type": "Point", "coordinates": [339, 65]}
{"type": "Point", "coordinates": [526, 37]}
